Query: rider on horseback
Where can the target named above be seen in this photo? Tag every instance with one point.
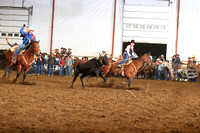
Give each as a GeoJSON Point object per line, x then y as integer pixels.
{"type": "Point", "coordinates": [129, 52]}
{"type": "Point", "coordinates": [27, 36]}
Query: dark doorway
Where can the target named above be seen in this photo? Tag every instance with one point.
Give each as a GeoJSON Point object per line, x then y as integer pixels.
{"type": "Point", "coordinates": [155, 49]}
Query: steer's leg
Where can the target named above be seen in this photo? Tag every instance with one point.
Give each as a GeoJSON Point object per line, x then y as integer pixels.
{"type": "Point", "coordinates": [103, 77]}
{"type": "Point", "coordinates": [76, 75]}
{"type": "Point", "coordinates": [81, 78]}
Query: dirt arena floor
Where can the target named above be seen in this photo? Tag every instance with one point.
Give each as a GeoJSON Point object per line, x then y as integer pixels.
{"type": "Point", "coordinates": [48, 104]}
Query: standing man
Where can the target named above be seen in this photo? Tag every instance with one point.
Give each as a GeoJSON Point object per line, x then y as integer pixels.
{"type": "Point", "coordinates": [177, 62]}
{"type": "Point", "coordinates": [51, 62]}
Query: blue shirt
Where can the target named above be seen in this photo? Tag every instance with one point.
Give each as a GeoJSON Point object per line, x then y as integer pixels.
{"type": "Point", "coordinates": [27, 37]}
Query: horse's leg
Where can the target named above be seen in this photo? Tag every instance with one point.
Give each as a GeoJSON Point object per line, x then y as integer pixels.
{"type": "Point", "coordinates": [25, 72]}
{"type": "Point", "coordinates": [81, 78]}
{"type": "Point", "coordinates": [18, 73]}
{"type": "Point", "coordinates": [6, 70]}
{"type": "Point", "coordinates": [75, 76]}
{"type": "Point", "coordinates": [129, 82]}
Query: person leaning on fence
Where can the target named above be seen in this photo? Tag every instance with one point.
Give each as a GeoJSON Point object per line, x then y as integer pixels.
{"type": "Point", "coordinates": [156, 67]}
{"type": "Point", "coordinates": [194, 59]}
{"type": "Point", "coordinates": [166, 66]}
{"type": "Point", "coordinates": [61, 64]}
{"type": "Point", "coordinates": [51, 62]}
{"type": "Point", "coordinates": [177, 62]}
{"type": "Point", "coordinates": [160, 69]}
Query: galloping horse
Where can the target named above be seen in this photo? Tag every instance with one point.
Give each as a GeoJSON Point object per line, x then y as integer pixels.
{"type": "Point", "coordinates": [131, 69]}
{"type": "Point", "coordinates": [24, 60]}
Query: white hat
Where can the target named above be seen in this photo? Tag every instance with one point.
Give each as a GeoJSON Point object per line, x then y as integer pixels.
{"type": "Point", "coordinates": [158, 59]}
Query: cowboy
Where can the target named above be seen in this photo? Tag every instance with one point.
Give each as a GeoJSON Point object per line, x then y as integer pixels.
{"type": "Point", "coordinates": [177, 62]}
{"type": "Point", "coordinates": [193, 59]}
{"type": "Point", "coordinates": [162, 57]}
{"type": "Point", "coordinates": [129, 52]}
{"type": "Point", "coordinates": [28, 35]}
{"type": "Point", "coordinates": [69, 52]}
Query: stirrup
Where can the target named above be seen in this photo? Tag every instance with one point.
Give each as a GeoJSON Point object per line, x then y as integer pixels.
{"type": "Point", "coordinates": [13, 60]}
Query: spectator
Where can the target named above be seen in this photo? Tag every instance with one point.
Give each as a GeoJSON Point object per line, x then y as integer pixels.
{"type": "Point", "coordinates": [61, 51]}
{"type": "Point", "coordinates": [61, 64]}
{"type": "Point", "coordinates": [160, 69]}
{"type": "Point", "coordinates": [76, 61]}
{"type": "Point", "coordinates": [166, 66]}
{"type": "Point", "coordinates": [162, 57]}
{"type": "Point", "coordinates": [51, 62]}
{"type": "Point", "coordinates": [57, 55]}
{"type": "Point", "coordinates": [69, 52]}
{"type": "Point", "coordinates": [56, 51]}
{"type": "Point", "coordinates": [156, 67]}
{"type": "Point", "coordinates": [40, 64]}
{"type": "Point", "coordinates": [68, 63]}
{"type": "Point", "coordinates": [83, 59]}
{"type": "Point", "coordinates": [173, 59]}
{"type": "Point", "coordinates": [35, 66]}
{"type": "Point", "coordinates": [177, 62]}
{"type": "Point", "coordinates": [189, 60]}
{"type": "Point", "coordinates": [193, 59]}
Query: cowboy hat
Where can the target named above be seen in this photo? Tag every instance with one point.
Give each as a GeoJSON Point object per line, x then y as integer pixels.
{"type": "Point", "coordinates": [132, 41]}
{"type": "Point", "coordinates": [30, 28]}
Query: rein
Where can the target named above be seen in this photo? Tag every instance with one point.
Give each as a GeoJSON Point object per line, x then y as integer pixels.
{"type": "Point", "coordinates": [140, 69]}
{"type": "Point", "coordinates": [26, 61]}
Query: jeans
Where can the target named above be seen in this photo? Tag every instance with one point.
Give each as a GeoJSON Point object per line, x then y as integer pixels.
{"type": "Point", "coordinates": [159, 74]}
{"type": "Point", "coordinates": [51, 69]}
{"type": "Point", "coordinates": [40, 69]}
{"type": "Point", "coordinates": [18, 49]}
{"type": "Point", "coordinates": [35, 69]}
{"type": "Point", "coordinates": [156, 74]}
{"type": "Point", "coordinates": [125, 58]}
{"type": "Point", "coordinates": [68, 70]}
{"type": "Point", "coordinates": [166, 75]}
{"type": "Point", "coordinates": [175, 67]}
{"type": "Point", "coordinates": [61, 71]}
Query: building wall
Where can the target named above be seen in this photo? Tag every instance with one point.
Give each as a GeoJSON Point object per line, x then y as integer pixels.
{"type": "Point", "coordinates": [86, 26]}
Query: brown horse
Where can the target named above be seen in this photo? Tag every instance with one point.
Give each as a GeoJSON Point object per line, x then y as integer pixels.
{"type": "Point", "coordinates": [110, 70]}
{"type": "Point", "coordinates": [24, 60]}
{"type": "Point", "coordinates": [131, 69]}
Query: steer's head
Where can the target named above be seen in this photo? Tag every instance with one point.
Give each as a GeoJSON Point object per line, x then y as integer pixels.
{"type": "Point", "coordinates": [103, 59]}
